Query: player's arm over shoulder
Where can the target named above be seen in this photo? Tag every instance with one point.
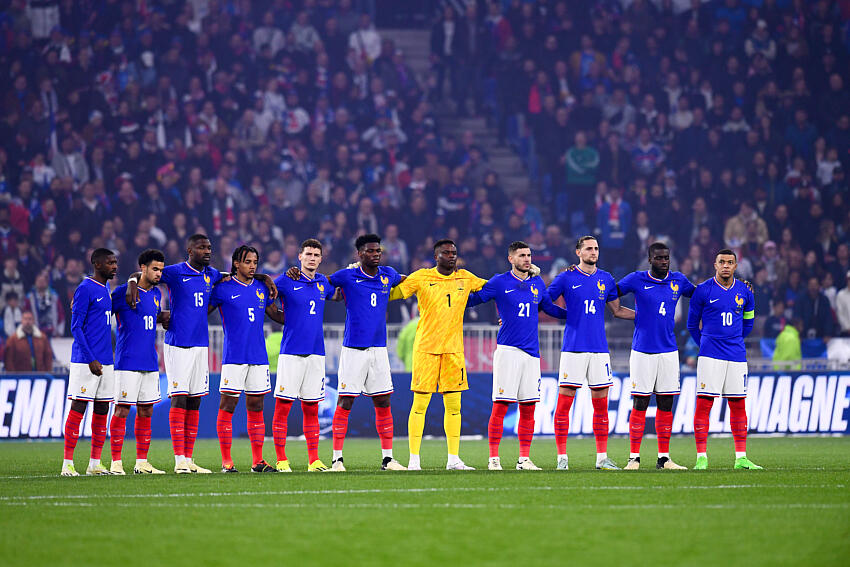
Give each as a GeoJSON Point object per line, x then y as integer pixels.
{"type": "Point", "coordinates": [476, 283]}
{"type": "Point", "coordinates": [408, 287]}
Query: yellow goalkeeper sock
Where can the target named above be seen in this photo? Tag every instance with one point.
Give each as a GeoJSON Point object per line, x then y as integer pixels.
{"type": "Point", "coordinates": [451, 421]}
{"type": "Point", "coordinates": [416, 421]}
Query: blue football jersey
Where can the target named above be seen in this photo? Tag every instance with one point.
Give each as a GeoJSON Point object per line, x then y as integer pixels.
{"type": "Point", "coordinates": [366, 299]}
{"type": "Point", "coordinates": [722, 312]}
{"type": "Point", "coordinates": [655, 308]}
{"type": "Point", "coordinates": [518, 302]}
{"type": "Point", "coordinates": [243, 311]}
{"type": "Point", "coordinates": [585, 296]}
{"type": "Point", "coordinates": [136, 346]}
{"type": "Point", "coordinates": [189, 295]}
{"type": "Point", "coordinates": [91, 323]}
{"type": "Point", "coordinates": [303, 305]}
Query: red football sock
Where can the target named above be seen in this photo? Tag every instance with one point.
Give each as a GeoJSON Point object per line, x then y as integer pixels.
{"type": "Point", "coordinates": [701, 417]}
{"type": "Point", "coordinates": [562, 422]}
{"type": "Point", "coordinates": [279, 426]}
{"type": "Point", "coordinates": [384, 425]}
{"type": "Point", "coordinates": [310, 425]}
{"type": "Point", "coordinates": [257, 434]}
{"type": "Point", "coordinates": [525, 428]}
{"type": "Point", "coordinates": [496, 427]}
{"type": "Point", "coordinates": [98, 434]}
{"type": "Point", "coordinates": [663, 428]}
{"type": "Point", "coordinates": [340, 426]}
{"type": "Point", "coordinates": [738, 421]}
{"type": "Point", "coordinates": [600, 423]}
{"type": "Point", "coordinates": [192, 416]}
{"type": "Point", "coordinates": [224, 427]}
{"type": "Point", "coordinates": [72, 432]}
{"type": "Point", "coordinates": [177, 425]}
{"type": "Point", "coordinates": [143, 437]}
{"type": "Point", "coordinates": [637, 424]}
{"type": "Point", "coordinates": [117, 427]}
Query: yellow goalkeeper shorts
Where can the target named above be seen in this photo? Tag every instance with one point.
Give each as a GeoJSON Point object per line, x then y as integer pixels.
{"type": "Point", "coordinates": [439, 372]}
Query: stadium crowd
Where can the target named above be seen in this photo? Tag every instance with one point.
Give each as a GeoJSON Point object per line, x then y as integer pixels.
{"type": "Point", "coordinates": [132, 125]}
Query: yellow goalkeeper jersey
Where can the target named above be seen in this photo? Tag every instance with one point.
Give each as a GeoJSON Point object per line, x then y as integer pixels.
{"type": "Point", "coordinates": [442, 301]}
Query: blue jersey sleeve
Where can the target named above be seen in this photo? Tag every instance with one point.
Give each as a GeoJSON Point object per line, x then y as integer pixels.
{"type": "Point", "coordinates": [215, 277]}
{"type": "Point", "coordinates": [688, 288]}
{"type": "Point", "coordinates": [338, 278]}
{"type": "Point", "coordinates": [395, 277]}
{"type": "Point", "coordinates": [170, 274]}
{"type": "Point", "coordinates": [215, 296]}
{"type": "Point", "coordinates": [627, 284]}
{"type": "Point", "coordinates": [119, 304]}
{"type": "Point", "coordinates": [79, 310]}
{"type": "Point", "coordinates": [556, 289]}
{"type": "Point", "coordinates": [695, 315]}
{"type": "Point", "coordinates": [612, 289]}
{"type": "Point", "coordinates": [158, 295]}
{"type": "Point", "coordinates": [749, 313]}
{"type": "Point", "coordinates": [549, 307]}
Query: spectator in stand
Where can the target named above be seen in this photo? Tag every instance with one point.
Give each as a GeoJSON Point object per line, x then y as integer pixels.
{"type": "Point", "coordinates": [582, 162]}
{"type": "Point", "coordinates": [44, 302]}
{"type": "Point", "coordinates": [777, 320]}
{"type": "Point", "coordinates": [813, 308]}
{"type": "Point", "coordinates": [27, 348]}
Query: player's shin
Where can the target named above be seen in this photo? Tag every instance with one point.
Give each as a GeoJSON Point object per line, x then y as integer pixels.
{"type": "Point", "coordinates": [280, 425]}
{"type": "Point", "coordinates": [525, 428]}
{"type": "Point", "coordinates": [72, 433]}
{"type": "Point", "coordinates": [191, 426]}
{"type": "Point", "coordinates": [663, 430]}
{"type": "Point", "coordinates": [637, 424]}
{"type": "Point", "coordinates": [738, 422]}
{"type": "Point", "coordinates": [117, 429]}
{"type": "Point", "coordinates": [384, 426]}
{"type": "Point", "coordinates": [562, 423]}
{"type": "Point", "coordinates": [452, 423]}
{"type": "Point", "coordinates": [416, 422]}
{"type": "Point", "coordinates": [600, 426]}
{"type": "Point", "coordinates": [496, 426]}
{"type": "Point", "coordinates": [177, 425]}
{"type": "Point", "coordinates": [98, 435]}
{"type": "Point", "coordinates": [701, 419]}
{"type": "Point", "coordinates": [143, 437]}
{"type": "Point", "coordinates": [256, 433]}
{"type": "Point", "coordinates": [224, 428]}
{"type": "Point", "coordinates": [340, 428]}
{"type": "Point", "coordinates": [310, 423]}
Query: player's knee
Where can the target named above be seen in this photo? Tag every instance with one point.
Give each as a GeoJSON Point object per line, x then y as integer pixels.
{"type": "Point", "coordinates": [420, 403]}
{"type": "Point", "coordinates": [664, 403]}
{"type": "Point", "coordinates": [567, 391]}
{"type": "Point", "coordinates": [145, 410]}
{"type": "Point", "coordinates": [179, 401]}
{"type": "Point", "coordinates": [452, 403]}
{"type": "Point", "coordinates": [193, 403]}
{"type": "Point", "coordinates": [228, 403]}
{"type": "Point", "coordinates": [254, 403]}
{"type": "Point", "coordinates": [101, 408]}
{"type": "Point", "coordinates": [79, 406]}
{"type": "Point", "coordinates": [122, 410]}
{"type": "Point", "coordinates": [345, 402]}
{"type": "Point", "coordinates": [641, 403]}
{"type": "Point", "coordinates": [382, 401]}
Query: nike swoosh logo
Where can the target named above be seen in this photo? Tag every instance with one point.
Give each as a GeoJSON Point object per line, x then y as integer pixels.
{"type": "Point", "coordinates": [99, 298]}
{"type": "Point", "coordinates": [297, 288]}
{"type": "Point", "coordinates": [431, 284]}
{"type": "Point", "coordinates": [579, 285]}
{"type": "Point", "coordinates": [713, 300]}
{"type": "Point", "coordinates": [234, 296]}
{"type": "Point", "coordinates": [648, 286]}
{"type": "Point", "coordinates": [359, 281]}
{"type": "Point", "coordinates": [509, 290]}
{"type": "Point", "coordinates": [186, 279]}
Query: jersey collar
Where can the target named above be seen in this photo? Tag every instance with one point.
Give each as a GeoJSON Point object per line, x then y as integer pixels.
{"type": "Point", "coordinates": [95, 281]}
{"type": "Point", "coordinates": [367, 275]}
{"type": "Point", "coordinates": [243, 284]}
{"type": "Point", "coordinates": [511, 272]}
{"type": "Point", "coordinates": [649, 274]}
{"type": "Point", "coordinates": [188, 265]}
{"type": "Point", "coordinates": [721, 285]}
{"type": "Point", "coordinates": [579, 270]}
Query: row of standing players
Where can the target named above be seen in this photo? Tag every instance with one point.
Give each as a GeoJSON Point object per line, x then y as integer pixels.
{"type": "Point", "coordinates": [720, 316]}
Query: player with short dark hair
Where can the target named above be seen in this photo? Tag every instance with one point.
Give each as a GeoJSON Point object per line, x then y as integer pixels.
{"type": "Point", "coordinates": [587, 290]}
{"type": "Point", "coordinates": [186, 349]}
{"type": "Point", "coordinates": [438, 359]}
{"type": "Point", "coordinates": [242, 300]}
{"type": "Point", "coordinates": [136, 363]}
{"type": "Point", "coordinates": [301, 365]}
{"type": "Point", "coordinates": [516, 362]}
{"type": "Point", "coordinates": [91, 377]}
{"type": "Point", "coordinates": [726, 308]}
{"type": "Point", "coordinates": [364, 364]}
{"type": "Point", "coordinates": [654, 360]}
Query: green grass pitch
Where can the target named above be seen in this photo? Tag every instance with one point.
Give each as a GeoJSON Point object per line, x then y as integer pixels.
{"type": "Point", "coordinates": [796, 512]}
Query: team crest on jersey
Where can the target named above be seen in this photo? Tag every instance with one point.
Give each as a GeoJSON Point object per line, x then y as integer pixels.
{"type": "Point", "coordinates": [321, 289]}
{"type": "Point", "coordinates": [207, 281]}
{"type": "Point", "coordinates": [156, 302]}
{"type": "Point", "coordinates": [674, 287]}
{"type": "Point", "coordinates": [385, 281]}
{"type": "Point", "coordinates": [535, 294]}
{"type": "Point", "coordinates": [739, 302]}
{"type": "Point", "coordinates": [601, 287]}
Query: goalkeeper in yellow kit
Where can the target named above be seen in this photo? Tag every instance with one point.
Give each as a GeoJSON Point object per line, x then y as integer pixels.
{"type": "Point", "coordinates": [438, 361]}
